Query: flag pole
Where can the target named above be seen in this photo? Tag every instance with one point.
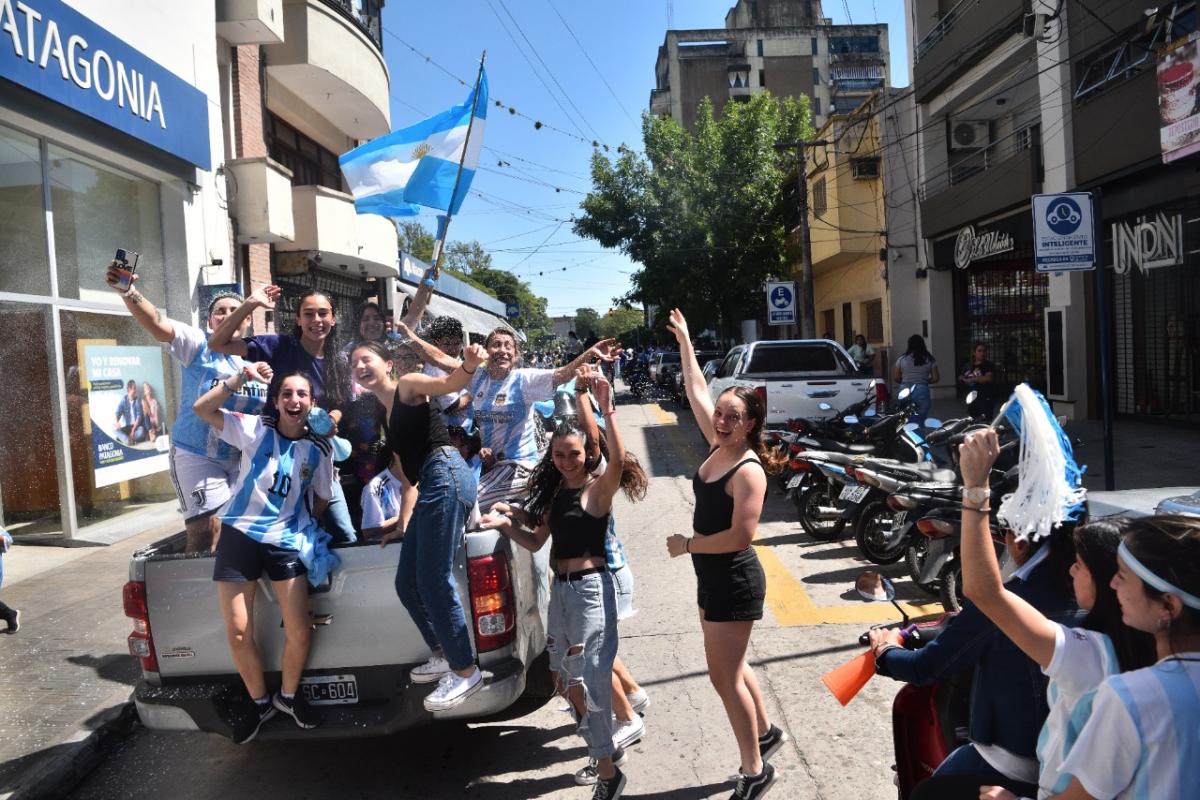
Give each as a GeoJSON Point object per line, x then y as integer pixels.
{"type": "Point", "coordinates": [444, 222]}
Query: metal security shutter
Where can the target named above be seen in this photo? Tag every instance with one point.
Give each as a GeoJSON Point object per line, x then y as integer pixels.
{"type": "Point", "coordinates": [345, 293]}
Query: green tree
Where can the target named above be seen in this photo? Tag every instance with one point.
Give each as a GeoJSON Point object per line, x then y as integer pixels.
{"type": "Point", "coordinates": [415, 240]}
{"type": "Point", "coordinates": [619, 321]}
{"type": "Point", "coordinates": [586, 323]}
{"type": "Point", "coordinates": [702, 213]}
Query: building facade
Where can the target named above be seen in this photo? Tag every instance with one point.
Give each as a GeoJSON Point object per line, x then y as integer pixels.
{"type": "Point", "coordinates": [202, 136]}
{"type": "Point", "coordinates": [785, 46]}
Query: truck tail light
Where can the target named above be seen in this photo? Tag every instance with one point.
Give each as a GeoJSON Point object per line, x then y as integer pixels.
{"type": "Point", "coordinates": [492, 604]}
{"type": "Point", "coordinates": [794, 448]}
{"type": "Point", "coordinates": [141, 641]}
{"type": "Point", "coordinates": [935, 528]}
{"type": "Point", "coordinates": [761, 391]}
{"type": "Point", "coordinates": [799, 465]}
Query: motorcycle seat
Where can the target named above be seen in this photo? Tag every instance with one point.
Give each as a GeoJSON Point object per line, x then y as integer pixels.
{"type": "Point", "coordinates": [842, 447]}
{"type": "Point", "coordinates": [828, 457]}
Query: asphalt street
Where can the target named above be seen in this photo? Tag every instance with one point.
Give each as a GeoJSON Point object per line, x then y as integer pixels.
{"type": "Point", "coordinates": [812, 625]}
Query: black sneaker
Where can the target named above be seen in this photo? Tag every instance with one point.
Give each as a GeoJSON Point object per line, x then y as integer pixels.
{"type": "Point", "coordinates": [609, 788]}
{"type": "Point", "coordinates": [770, 742]}
{"type": "Point", "coordinates": [14, 622]}
{"type": "Point", "coordinates": [247, 719]}
{"type": "Point", "coordinates": [297, 708]}
{"type": "Point", "coordinates": [752, 787]}
{"type": "Point", "coordinates": [586, 776]}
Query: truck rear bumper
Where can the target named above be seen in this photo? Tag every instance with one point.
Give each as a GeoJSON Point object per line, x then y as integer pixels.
{"type": "Point", "coordinates": [388, 702]}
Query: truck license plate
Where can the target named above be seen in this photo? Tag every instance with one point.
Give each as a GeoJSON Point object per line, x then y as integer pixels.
{"type": "Point", "coordinates": [330, 690]}
{"type": "Point", "coordinates": [854, 492]}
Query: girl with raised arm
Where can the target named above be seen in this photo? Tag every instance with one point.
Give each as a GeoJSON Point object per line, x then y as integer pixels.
{"type": "Point", "coordinates": [730, 487]}
{"type": "Point", "coordinates": [425, 583]}
{"type": "Point", "coordinates": [569, 505]}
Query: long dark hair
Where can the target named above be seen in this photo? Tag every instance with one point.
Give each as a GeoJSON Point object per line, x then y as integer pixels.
{"type": "Point", "coordinates": [545, 480]}
{"type": "Point", "coordinates": [772, 460]}
{"type": "Point", "coordinates": [1169, 546]}
{"type": "Point", "coordinates": [335, 372]}
{"type": "Point", "coordinates": [1096, 545]}
{"type": "Point", "coordinates": [917, 349]}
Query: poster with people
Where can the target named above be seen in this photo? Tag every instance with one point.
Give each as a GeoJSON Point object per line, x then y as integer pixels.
{"type": "Point", "coordinates": [127, 397]}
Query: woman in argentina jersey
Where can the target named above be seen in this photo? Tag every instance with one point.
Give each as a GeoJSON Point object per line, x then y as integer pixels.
{"type": "Point", "coordinates": [202, 466]}
{"type": "Point", "coordinates": [262, 530]}
{"type": "Point", "coordinates": [1077, 660]}
{"type": "Point", "coordinates": [502, 399]}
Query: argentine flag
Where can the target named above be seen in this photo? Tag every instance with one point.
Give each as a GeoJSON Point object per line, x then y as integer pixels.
{"type": "Point", "coordinates": [417, 166]}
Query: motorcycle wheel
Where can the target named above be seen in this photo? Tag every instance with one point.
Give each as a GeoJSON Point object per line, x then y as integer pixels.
{"type": "Point", "coordinates": [876, 539]}
{"type": "Point", "coordinates": [807, 503]}
{"type": "Point", "coordinates": [914, 559]}
{"type": "Point", "coordinates": [951, 588]}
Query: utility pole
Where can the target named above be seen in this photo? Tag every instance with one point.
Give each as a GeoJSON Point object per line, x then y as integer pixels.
{"type": "Point", "coordinates": [808, 316]}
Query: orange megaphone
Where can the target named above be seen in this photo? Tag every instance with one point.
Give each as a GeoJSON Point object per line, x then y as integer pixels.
{"type": "Point", "coordinates": [847, 680]}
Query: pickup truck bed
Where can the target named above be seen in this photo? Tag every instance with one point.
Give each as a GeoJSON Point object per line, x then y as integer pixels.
{"type": "Point", "coordinates": [363, 645]}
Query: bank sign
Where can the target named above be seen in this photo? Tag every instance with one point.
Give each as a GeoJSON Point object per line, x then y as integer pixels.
{"type": "Point", "coordinates": [1064, 233]}
{"type": "Point", "coordinates": [53, 50]}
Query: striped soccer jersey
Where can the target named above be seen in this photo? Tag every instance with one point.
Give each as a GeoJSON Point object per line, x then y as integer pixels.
{"type": "Point", "coordinates": [202, 369]}
{"type": "Point", "coordinates": [504, 415]}
{"type": "Point", "coordinates": [268, 502]}
{"type": "Point", "coordinates": [381, 499]}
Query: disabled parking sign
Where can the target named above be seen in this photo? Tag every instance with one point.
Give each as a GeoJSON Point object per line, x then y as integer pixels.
{"type": "Point", "coordinates": [1064, 235]}
{"type": "Point", "coordinates": [781, 302]}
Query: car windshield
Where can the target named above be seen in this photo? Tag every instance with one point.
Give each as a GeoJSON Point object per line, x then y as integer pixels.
{"type": "Point", "coordinates": [794, 358]}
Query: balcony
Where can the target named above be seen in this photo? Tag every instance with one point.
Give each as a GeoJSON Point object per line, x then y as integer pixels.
{"type": "Point", "coordinates": [250, 21]}
{"type": "Point", "coordinates": [332, 61]}
{"type": "Point", "coordinates": [960, 38]}
{"type": "Point", "coordinates": [999, 176]}
{"type": "Point", "coordinates": [333, 234]}
{"type": "Point", "coordinates": [262, 200]}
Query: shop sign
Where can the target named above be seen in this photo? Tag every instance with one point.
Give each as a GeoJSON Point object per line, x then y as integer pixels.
{"type": "Point", "coordinates": [1148, 243]}
{"type": "Point", "coordinates": [781, 303]}
{"type": "Point", "coordinates": [129, 434]}
{"type": "Point", "coordinates": [970, 246]}
{"type": "Point", "coordinates": [53, 50]}
{"type": "Point", "coordinates": [1178, 80]}
{"type": "Point", "coordinates": [1063, 233]}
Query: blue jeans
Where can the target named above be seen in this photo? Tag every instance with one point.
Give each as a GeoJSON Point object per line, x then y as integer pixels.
{"type": "Point", "coordinates": [336, 519]}
{"type": "Point", "coordinates": [425, 578]}
{"type": "Point", "coordinates": [920, 400]}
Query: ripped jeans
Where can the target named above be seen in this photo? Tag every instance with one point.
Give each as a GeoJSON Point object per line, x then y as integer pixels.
{"type": "Point", "coordinates": [583, 617]}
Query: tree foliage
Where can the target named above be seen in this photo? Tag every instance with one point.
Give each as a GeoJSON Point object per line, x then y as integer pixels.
{"type": "Point", "coordinates": [586, 323]}
{"type": "Point", "coordinates": [618, 322]}
{"type": "Point", "coordinates": [702, 213]}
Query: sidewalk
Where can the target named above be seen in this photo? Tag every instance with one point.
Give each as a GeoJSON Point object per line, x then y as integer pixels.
{"type": "Point", "coordinates": [69, 664]}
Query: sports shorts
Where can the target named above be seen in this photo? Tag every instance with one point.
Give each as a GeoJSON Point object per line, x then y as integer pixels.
{"type": "Point", "coordinates": [202, 484]}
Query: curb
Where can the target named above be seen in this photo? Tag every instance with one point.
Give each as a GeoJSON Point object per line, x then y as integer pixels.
{"type": "Point", "coordinates": [77, 756]}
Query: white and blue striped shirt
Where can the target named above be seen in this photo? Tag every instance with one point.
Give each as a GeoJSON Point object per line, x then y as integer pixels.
{"type": "Point", "coordinates": [503, 412]}
{"type": "Point", "coordinates": [1082, 660]}
{"type": "Point", "coordinates": [201, 370]}
{"type": "Point", "coordinates": [1142, 741]}
{"type": "Point", "coordinates": [381, 499]}
{"type": "Point", "coordinates": [268, 502]}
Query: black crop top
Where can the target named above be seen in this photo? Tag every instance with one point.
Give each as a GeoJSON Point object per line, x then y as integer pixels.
{"type": "Point", "coordinates": [576, 533]}
{"type": "Point", "coordinates": [714, 508]}
{"type": "Point", "coordinates": [413, 433]}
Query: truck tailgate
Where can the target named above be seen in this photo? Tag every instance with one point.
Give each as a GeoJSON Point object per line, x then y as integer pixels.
{"type": "Point", "coordinates": [358, 620]}
{"type": "Point", "coordinates": [799, 397]}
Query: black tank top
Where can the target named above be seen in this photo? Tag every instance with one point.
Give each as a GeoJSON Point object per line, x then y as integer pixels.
{"type": "Point", "coordinates": [714, 508]}
{"type": "Point", "coordinates": [413, 433]}
{"type": "Point", "coordinates": [576, 533]}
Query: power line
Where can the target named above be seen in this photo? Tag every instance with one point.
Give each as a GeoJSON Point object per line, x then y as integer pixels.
{"type": "Point", "coordinates": [583, 50]}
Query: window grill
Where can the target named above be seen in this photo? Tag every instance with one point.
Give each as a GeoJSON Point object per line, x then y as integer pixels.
{"type": "Point", "coordinates": [345, 295]}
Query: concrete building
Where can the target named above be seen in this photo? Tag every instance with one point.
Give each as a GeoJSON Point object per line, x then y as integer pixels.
{"type": "Point", "coordinates": [785, 46]}
{"type": "Point", "coordinates": [203, 136]}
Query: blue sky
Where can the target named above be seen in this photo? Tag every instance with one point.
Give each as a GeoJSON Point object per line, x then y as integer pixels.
{"type": "Point", "coordinates": [524, 221]}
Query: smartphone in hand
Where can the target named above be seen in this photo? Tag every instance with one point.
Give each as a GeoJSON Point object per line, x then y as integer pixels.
{"type": "Point", "coordinates": [126, 261]}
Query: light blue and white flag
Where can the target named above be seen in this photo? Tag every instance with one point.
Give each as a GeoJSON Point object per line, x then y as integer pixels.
{"type": "Point", "coordinates": [418, 166]}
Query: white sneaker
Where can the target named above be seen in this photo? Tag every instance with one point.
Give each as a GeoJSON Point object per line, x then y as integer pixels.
{"type": "Point", "coordinates": [627, 734]}
{"type": "Point", "coordinates": [431, 671]}
{"type": "Point", "coordinates": [639, 700]}
{"type": "Point", "coordinates": [452, 690]}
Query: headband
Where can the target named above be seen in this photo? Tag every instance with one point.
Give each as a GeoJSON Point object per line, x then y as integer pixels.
{"type": "Point", "coordinates": [1161, 584]}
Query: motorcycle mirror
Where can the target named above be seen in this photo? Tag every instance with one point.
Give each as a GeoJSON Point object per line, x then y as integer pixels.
{"type": "Point", "coordinates": [870, 412]}
{"type": "Point", "coordinates": [932, 423]}
{"type": "Point", "coordinates": [824, 406]}
{"type": "Point", "coordinates": [851, 420]}
{"type": "Point", "coordinates": [972, 396]}
{"type": "Point", "coordinates": [903, 393]}
{"type": "Point", "coordinates": [873, 587]}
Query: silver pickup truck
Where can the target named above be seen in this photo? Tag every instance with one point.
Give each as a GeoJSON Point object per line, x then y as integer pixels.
{"type": "Point", "coordinates": [795, 375]}
{"type": "Point", "coordinates": [363, 645]}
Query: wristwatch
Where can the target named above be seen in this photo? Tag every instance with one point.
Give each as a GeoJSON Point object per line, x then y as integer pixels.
{"type": "Point", "coordinates": [976, 495]}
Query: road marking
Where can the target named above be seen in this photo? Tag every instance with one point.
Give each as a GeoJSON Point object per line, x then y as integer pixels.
{"type": "Point", "coordinates": [786, 596]}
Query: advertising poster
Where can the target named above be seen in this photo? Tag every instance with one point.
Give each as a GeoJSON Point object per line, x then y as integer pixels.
{"type": "Point", "coordinates": [1178, 76]}
{"type": "Point", "coordinates": [127, 397]}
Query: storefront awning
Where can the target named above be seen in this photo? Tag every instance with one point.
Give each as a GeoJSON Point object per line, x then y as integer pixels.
{"type": "Point", "coordinates": [473, 320]}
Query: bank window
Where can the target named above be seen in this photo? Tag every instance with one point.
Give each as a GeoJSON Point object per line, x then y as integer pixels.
{"type": "Point", "coordinates": [97, 209]}
{"type": "Point", "coordinates": [819, 202]}
{"type": "Point", "coordinates": [26, 267]}
{"type": "Point", "coordinates": [310, 163]}
{"type": "Point", "coordinates": [872, 317]}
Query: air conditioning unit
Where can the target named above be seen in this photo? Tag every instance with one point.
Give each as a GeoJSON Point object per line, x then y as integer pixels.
{"type": "Point", "coordinates": [969, 135]}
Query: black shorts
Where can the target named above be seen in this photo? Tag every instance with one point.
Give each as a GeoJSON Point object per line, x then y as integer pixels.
{"type": "Point", "coordinates": [730, 587]}
{"type": "Point", "coordinates": [240, 558]}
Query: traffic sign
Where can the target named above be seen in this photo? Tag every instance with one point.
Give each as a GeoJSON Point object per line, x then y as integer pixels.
{"type": "Point", "coordinates": [512, 310]}
{"type": "Point", "coordinates": [1064, 233]}
{"type": "Point", "coordinates": [781, 303]}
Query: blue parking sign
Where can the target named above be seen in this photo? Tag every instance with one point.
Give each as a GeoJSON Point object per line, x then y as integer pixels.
{"type": "Point", "coordinates": [781, 303]}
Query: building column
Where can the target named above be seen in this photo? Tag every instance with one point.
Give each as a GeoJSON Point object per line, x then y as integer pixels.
{"type": "Point", "coordinates": [249, 141]}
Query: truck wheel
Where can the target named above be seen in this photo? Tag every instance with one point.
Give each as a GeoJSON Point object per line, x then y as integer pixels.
{"type": "Point", "coordinates": [808, 503]}
{"type": "Point", "coordinates": [539, 680]}
{"type": "Point", "coordinates": [875, 534]}
{"type": "Point", "coordinates": [951, 588]}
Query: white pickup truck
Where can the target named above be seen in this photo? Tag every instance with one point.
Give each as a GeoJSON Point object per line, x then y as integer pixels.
{"type": "Point", "coordinates": [795, 376]}
{"type": "Point", "coordinates": [363, 645]}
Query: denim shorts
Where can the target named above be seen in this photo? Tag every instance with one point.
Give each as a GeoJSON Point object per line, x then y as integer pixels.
{"type": "Point", "coordinates": [623, 583]}
{"type": "Point", "coordinates": [730, 587]}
